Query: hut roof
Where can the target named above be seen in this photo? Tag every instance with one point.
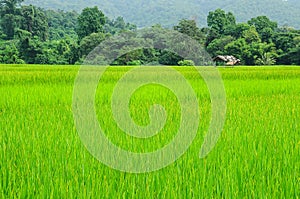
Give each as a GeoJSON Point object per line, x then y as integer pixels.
{"type": "Point", "coordinates": [226, 58]}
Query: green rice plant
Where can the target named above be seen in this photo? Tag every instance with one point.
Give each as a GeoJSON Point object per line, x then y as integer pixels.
{"type": "Point", "coordinates": [257, 155]}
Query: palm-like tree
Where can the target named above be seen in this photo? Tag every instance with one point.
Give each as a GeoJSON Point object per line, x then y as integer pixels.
{"type": "Point", "coordinates": [266, 59]}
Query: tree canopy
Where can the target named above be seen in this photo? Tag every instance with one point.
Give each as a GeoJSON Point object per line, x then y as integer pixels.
{"type": "Point", "coordinates": [91, 20]}
{"type": "Point", "coordinates": [29, 34]}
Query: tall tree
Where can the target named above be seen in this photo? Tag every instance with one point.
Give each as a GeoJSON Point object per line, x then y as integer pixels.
{"type": "Point", "coordinates": [34, 21]}
{"type": "Point", "coordinates": [29, 47]}
{"type": "Point", "coordinates": [218, 20]}
{"type": "Point", "coordinates": [264, 26]}
{"type": "Point", "coordinates": [91, 20]}
{"type": "Point", "coordinates": [9, 17]}
{"type": "Point", "coordinates": [189, 27]}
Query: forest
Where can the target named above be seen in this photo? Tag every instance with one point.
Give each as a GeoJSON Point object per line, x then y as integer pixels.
{"type": "Point", "coordinates": [32, 35]}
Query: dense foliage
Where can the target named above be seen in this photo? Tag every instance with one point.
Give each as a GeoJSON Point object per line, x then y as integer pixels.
{"type": "Point", "coordinates": [29, 34]}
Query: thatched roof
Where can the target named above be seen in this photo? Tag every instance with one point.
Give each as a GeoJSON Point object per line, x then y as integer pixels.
{"type": "Point", "coordinates": [227, 59]}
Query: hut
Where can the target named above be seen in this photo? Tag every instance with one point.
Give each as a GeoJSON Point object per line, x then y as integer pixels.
{"type": "Point", "coordinates": [226, 60]}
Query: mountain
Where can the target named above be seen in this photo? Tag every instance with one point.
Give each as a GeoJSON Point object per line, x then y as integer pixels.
{"type": "Point", "coordinates": [145, 13]}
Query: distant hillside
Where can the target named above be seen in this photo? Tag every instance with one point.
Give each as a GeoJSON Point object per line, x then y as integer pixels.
{"type": "Point", "coordinates": [168, 12]}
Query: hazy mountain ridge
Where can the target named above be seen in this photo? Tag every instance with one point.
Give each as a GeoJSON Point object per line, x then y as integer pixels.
{"type": "Point", "coordinates": [168, 13]}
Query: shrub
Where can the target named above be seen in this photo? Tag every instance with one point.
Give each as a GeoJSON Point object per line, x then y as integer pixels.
{"type": "Point", "coordinates": [186, 63]}
{"type": "Point", "coordinates": [134, 63]}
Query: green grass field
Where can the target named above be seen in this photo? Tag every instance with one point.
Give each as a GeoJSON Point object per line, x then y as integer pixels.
{"type": "Point", "coordinates": [257, 155]}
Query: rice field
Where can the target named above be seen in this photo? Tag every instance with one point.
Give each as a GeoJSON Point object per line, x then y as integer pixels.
{"type": "Point", "coordinates": [256, 156]}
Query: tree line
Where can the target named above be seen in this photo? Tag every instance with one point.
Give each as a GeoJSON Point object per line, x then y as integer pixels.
{"type": "Point", "coordinates": [29, 34]}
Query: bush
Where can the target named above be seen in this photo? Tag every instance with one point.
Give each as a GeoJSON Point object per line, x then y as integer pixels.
{"type": "Point", "coordinates": [134, 63]}
{"type": "Point", "coordinates": [186, 63]}
{"type": "Point", "coordinates": [169, 58]}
